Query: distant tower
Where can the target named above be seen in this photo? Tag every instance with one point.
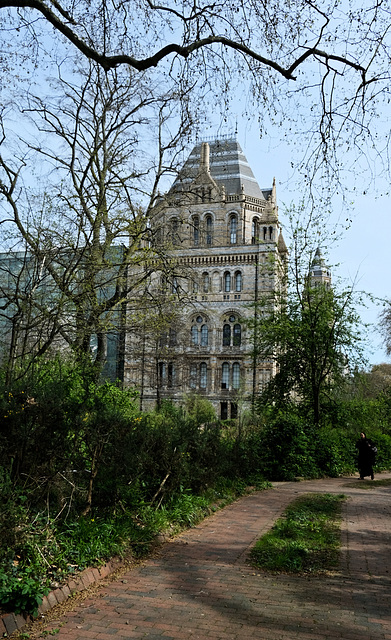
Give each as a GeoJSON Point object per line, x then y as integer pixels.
{"type": "Point", "coordinates": [320, 274]}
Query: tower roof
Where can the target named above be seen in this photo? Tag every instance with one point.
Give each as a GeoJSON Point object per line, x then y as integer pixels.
{"type": "Point", "coordinates": [319, 270]}
{"type": "Point", "coordinates": [228, 166]}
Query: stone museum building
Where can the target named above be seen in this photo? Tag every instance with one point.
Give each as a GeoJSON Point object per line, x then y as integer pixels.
{"type": "Point", "coordinates": [221, 232]}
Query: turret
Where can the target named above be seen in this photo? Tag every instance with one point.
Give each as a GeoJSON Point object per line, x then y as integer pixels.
{"type": "Point", "coordinates": [319, 273]}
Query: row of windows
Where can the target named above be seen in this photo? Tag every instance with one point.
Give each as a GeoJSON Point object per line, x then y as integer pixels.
{"type": "Point", "coordinates": [232, 333]}
{"type": "Point", "coordinates": [230, 282]}
{"type": "Point", "coordinates": [199, 333]}
{"type": "Point", "coordinates": [225, 406]}
{"type": "Point", "coordinates": [230, 375]}
{"type": "Point", "coordinates": [257, 232]}
{"type": "Point", "coordinates": [205, 235]}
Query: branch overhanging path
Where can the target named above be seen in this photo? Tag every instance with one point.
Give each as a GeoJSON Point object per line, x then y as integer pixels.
{"type": "Point", "coordinates": [62, 20]}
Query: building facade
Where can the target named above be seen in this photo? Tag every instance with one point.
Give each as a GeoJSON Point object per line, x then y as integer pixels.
{"type": "Point", "coordinates": [226, 251]}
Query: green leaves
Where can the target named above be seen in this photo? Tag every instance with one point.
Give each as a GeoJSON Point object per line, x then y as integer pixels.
{"type": "Point", "coordinates": [21, 591]}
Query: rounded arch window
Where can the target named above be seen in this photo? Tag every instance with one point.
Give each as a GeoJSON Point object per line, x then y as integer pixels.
{"type": "Point", "coordinates": [225, 375]}
{"type": "Point", "coordinates": [194, 334]}
{"type": "Point", "coordinates": [196, 230]}
{"type": "Point", "coordinates": [199, 331]}
{"type": "Point", "coordinates": [255, 231]}
{"type": "Point", "coordinates": [238, 281]}
{"type": "Point", "coordinates": [209, 229]}
{"type": "Point", "coordinates": [174, 285]}
{"type": "Point", "coordinates": [237, 335]}
{"type": "Point", "coordinates": [193, 376]}
{"type": "Point", "coordinates": [205, 280]}
{"type": "Point", "coordinates": [236, 375]}
{"type": "Point", "coordinates": [203, 375]}
{"type": "Point", "coordinates": [227, 281]}
{"type": "Point", "coordinates": [174, 231]}
{"type": "Point", "coordinates": [233, 228]}
{"type": "Point", "coordinates": [226, 335]}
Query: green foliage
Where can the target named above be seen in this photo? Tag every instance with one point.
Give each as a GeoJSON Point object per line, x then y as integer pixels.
{"type": "Point", "coordinates": [312, 333]}
{"type": "Point", "coordinates": [306, 539]}
{"type": "Point", "coordinates": [21, 590]}
{"type": "Point", "coordinates": [85, 476]}
{"type": "Point", "coordinates": [200, 410]}
{"type": "Point", "coordinates": [287, 450]}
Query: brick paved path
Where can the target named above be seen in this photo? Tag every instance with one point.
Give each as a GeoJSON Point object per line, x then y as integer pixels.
{"type": "Point", "coordinates": [200, 587]}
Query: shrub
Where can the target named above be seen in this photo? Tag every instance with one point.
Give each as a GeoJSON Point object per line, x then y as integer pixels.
{"type": "Point", "coordinates": [286, 449]}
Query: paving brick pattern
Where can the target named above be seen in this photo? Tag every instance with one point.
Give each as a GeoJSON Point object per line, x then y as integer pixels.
{"type": "Point", "coordinates": [199, 586]}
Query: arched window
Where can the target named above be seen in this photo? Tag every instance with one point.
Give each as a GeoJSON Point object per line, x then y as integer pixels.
{"type": "Point", "coordinates": [203, 375]}
{"type": "Point", "coordinates": [271, 233]}
{"type": "Point", "coordinates": [170, 375]}
{"type": "Point", "coordinates": [265, 233]}
{"type": "Point", "coordinates": [238, 281]}
{"type": "Point", "coordinates": [174, 286]}
{"type": "Point", "coordinates": [162, 373]}
{"type": "Point", "coordinates": [225, 375]}
{"type": "Point", "coordinates": [193, 376]}
{"type": "Point", "coordinates": [233, 229]}
{"type": "Point", "coordinates": [205, 279]}
{"type": "Point", "coordinates": [226, 335]}
{"type": "Point", "coordinates": [236, 375]}
{"type": "Point", "coordinates": [237, 337]}
{"type": "Point", "coordinates": [204, 335]}
{"type": "Point", "coordinates": [196, 231]}
{"type": "Point", "coordinates": [255, 231]}
{"type": "Point", "coordinates": [227, 281]}
{"type": "Point", "coordinates": [195, 286]}
{"type": "Point", "coordinates": [174, 231]}
{"type": "Point", "coordinates": [194, 334]}
{"type": "Point", "coordinates": [209, 230]}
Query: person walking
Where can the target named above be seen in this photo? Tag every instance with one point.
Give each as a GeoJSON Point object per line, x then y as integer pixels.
{"type": "Point", "coordinates": [366, 456]}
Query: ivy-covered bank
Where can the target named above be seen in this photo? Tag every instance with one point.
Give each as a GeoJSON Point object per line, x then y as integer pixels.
{"type": "Point", "coordinates": [84, 475]}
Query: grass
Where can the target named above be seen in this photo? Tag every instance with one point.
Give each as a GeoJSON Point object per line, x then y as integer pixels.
{"type": "Point", "coordinates": [369, 484]}
{"type": "Point", "coordinates": [306, 539]}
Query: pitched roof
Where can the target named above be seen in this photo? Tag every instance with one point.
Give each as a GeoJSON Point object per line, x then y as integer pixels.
{"type": "Point", "coordinates": [228, 166]}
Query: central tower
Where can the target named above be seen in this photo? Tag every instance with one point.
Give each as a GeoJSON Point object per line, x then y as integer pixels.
{"type": "Point", "coordinates": [222, 235]}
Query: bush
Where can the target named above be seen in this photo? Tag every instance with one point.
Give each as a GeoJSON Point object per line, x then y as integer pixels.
{"type": "Point", "coordinates": [334, 452]}
{"type": "Point", "coordinates": [21, 591]}
{"type": "Point", "coordinates": [286, 448]}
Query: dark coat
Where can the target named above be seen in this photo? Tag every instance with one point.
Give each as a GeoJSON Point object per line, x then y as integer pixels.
{"type": "Point", "coordinates": [366, 456]}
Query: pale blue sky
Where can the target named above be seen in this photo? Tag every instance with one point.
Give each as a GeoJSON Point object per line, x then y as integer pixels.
{"type": "Point", "coordinates": [362, 252]}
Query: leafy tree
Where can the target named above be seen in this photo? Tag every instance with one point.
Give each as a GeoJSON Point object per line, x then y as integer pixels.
{"type": "Point", "coordinates": [385, 326]}
{"type": "Point", "coordinates": [311, 334]}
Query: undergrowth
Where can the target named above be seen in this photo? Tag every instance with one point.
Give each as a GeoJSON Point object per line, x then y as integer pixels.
{"type": "Point", "coordinates": [52, 551]}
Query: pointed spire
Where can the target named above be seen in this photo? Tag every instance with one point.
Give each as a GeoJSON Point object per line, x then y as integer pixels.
{"type": "Point", "coordinates": [320, 273]}
{"type": "Point", "coordinates": [273, 197]}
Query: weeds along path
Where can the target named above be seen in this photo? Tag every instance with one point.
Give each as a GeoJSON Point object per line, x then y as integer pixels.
{"type": "Point", "coordinates": [200, 585]}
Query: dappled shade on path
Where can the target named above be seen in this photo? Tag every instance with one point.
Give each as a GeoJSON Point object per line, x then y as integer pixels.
{"type": "Point", "coordinates": [200, 585]}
